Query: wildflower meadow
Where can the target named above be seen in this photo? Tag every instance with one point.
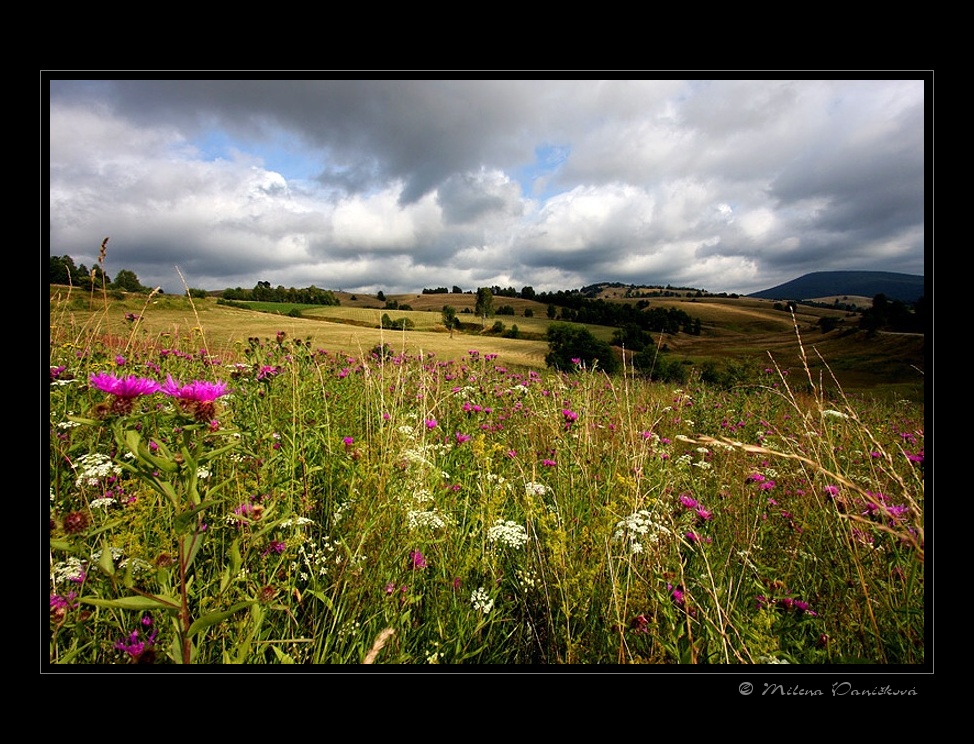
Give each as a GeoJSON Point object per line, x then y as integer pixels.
{"type": "Point", "coordinates": [277, 503]}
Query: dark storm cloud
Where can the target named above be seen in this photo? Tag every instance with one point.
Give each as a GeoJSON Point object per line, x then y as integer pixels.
{"type": "Point", "coordinates": [732, 185]}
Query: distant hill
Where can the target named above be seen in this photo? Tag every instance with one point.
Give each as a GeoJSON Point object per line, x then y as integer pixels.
{"type": "Point", "coordinates": [906, 288]}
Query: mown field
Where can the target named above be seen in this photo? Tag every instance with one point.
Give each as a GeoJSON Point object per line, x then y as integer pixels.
{"type": "Point", "coordinates": [749, 331]}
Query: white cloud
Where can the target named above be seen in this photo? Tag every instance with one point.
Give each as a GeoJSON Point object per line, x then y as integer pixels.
{"type": "Point", "coordinates": [728, 185]}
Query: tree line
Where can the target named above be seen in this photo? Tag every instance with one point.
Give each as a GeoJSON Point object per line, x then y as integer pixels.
{"type": "Point", "coordinates": [263, 292]}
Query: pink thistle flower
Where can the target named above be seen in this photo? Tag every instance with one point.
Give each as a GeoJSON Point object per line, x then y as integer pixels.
{"type": "Point", "coordinates": [418, 559]}
{"type": "Point", "coordinates": [198, 391]}
{"type": "Point", "coordinates": [430, 423]}
{"type": "Point", "coordinates": [688, 501]}
{"type": "Point", "coordinates": [124, 387]}
{"type": "Point", "coordinates": [274, 546]}
{"type": "Point", "coordinates": [139, 647]}
{"type": "Point", "coordinates": [678, 595]}
{"type": "Point", "coordinates": [197, 397]}
{"type": "Point", "coordinates": [640, 624]}
{"type": "Point", "coordinates": [461, 438]}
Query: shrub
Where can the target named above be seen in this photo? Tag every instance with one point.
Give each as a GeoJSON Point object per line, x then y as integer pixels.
{"type": "Point", "coordinates": [573, 346]}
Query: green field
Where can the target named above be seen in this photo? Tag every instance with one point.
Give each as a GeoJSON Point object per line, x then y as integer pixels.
{"type": "Point", "coordinates": [748, 331]}
{"type": "Point", "coordinates": [230, 486]}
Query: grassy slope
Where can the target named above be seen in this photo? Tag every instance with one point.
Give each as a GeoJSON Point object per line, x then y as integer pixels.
{"type": "Point", "coordinates": [731, 328]}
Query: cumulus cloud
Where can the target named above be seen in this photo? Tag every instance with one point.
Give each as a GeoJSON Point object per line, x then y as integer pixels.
{"type": "Point", "coordinates": [726, 185]}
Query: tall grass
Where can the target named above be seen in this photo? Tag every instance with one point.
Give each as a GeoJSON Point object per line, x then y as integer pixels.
{"type": "Point", "coordinates": [346, 506]}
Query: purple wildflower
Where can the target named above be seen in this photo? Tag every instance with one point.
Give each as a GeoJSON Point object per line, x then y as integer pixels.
{"type": "Point", "coordinates": [137, 646]}
{"type": "Point", "coordinates": [197, 397]}
{"type": "Point", "coordinates": [418, 559]}
{"type": "Point", "coordinates": [198, 391]}
{"type": "Point", "coordinates": [124, 389]}
{"type": "Point", "coordinates": [274, 546]}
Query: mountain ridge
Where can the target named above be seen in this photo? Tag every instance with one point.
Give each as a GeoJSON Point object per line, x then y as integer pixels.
{"type": "Point", "coordinates": [907, 288]}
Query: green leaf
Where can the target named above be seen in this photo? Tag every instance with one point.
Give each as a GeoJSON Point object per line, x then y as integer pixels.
{"type": "Point", "coordinates": [82, 420]}
{"type": "Point", "coordinates": [281, 656]}
{"type": "Point", "coordinates": [134, 442]}
{"type": "Point", "coordinates": [236, 560]}
{"type": "Point", "coordinates": [134, 603]}
{"type": "Point", "coordinates": [195, 542]}
{"type": "Point", "coordinates": [217, 617]}
{"type": "Point", "coordinates": [69, 657]}
{"type": "Point", "coordinates": [105, 562]}
{"type": "Point", "coordinates": [213, 454]}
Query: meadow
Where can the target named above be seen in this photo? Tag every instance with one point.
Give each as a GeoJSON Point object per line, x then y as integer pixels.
{"type": "Point", "coordinates": [227, 489]}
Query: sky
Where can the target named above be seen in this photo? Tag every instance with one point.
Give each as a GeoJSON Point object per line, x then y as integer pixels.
{"type": "Point", "coordinates": [367, 185]}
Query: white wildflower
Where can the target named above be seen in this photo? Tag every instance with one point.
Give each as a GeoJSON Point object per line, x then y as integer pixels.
{"type": "Point", "coordinates": [296, 522]}
{"type": "Point", "coordinates": [433, 518]}
{"type": "Point", "coordinates": [102, 503]}
{"type": "Point", "coordinates": [500, 480]}
{"type": "Point", "coordinates": [137, 566]}
{"type": "Point", "coordinates": [835, 414]}
{"type": "Point", "coordinates": [528, 579]}
{"type": "Point", "coordinates": [640, 524]}
{"type": "Point", "coordinates": [481, 600]}
{"type": "Point", "coordinates": [508, 533]}
{"type": "Point", "coordinates": [423, 496]}
{"type": "Point", "coordinates": [536, 489]}
{"type": "Point", "coordinates": [94, 468]}
{"type": "Point", "coordinates": [72, 569]}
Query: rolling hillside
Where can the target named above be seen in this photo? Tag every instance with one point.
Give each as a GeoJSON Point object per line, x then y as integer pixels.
{"type": "Point", "coordinates": [906, 288]}
{"type": "Point", "coordinates": [749, 330]}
